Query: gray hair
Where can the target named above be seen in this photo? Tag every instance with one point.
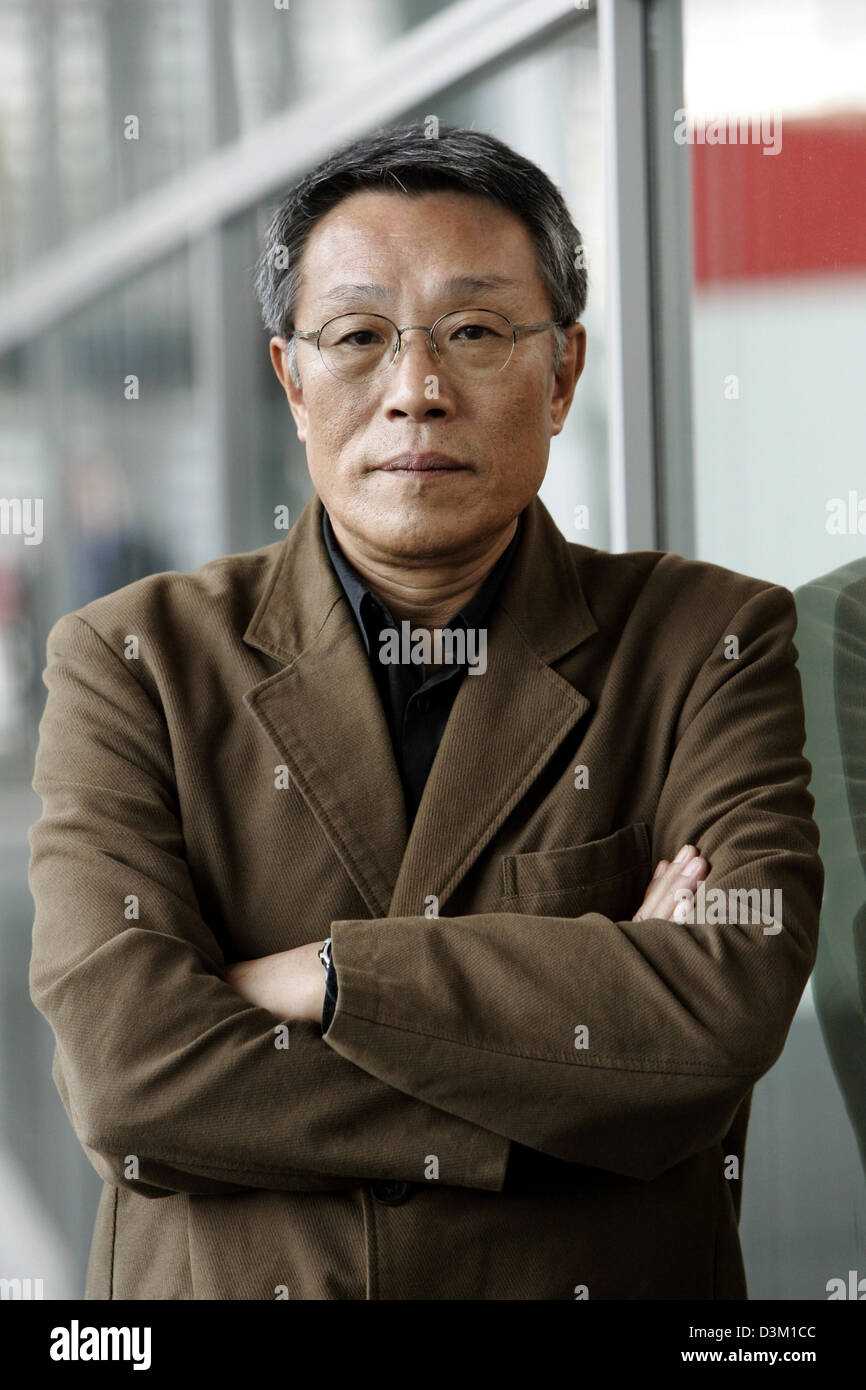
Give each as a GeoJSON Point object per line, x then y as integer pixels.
{"type": "Point", "coordinates": [406, 160]}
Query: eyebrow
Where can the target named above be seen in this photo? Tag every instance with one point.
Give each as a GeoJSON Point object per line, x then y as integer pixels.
{"type": "Point", "coordinates": [338, 295]}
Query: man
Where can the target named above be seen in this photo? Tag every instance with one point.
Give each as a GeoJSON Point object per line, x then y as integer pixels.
{"type": "Point", "coordinates": [363, 984]}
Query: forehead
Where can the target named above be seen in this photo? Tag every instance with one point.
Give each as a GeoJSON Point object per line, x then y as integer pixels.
{"type": "Point", "coordinates": [417, 244]}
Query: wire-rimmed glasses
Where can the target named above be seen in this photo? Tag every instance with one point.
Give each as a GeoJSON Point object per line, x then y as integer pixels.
{"type": "Point", "coordinates": [471, 342]}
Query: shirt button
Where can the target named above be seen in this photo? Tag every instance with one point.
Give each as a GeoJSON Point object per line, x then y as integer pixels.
{"type": "Point", "coordinates": [422, 704]}
{"type": "Point", "coordinates": [391, 1192]}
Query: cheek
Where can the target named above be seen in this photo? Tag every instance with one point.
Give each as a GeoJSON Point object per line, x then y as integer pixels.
{"type": "Point", "coordinates": [331, 421]}
{"type": "Point", "coordinates": [517, 416]}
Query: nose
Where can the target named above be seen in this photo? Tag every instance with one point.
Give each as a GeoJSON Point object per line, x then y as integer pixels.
{"type": "Point", "coordinates": [413, 385]}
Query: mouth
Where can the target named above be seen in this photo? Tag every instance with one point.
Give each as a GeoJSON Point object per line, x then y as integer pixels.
{"type": "Point", "coordinates": [422, 463]}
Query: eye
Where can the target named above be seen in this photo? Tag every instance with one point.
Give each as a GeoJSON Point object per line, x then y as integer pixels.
{"type": "Point", "coordinates": [361, 338]}
{"type": "Point", "coordinates": [474, 332]}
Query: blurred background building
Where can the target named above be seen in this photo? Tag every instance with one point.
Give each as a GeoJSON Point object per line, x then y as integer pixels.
{"type": "Point", "coordinates": [143, 145]}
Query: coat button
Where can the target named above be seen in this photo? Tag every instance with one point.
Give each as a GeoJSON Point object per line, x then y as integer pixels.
{"type": "Point", "coordinates": [391, 1192]}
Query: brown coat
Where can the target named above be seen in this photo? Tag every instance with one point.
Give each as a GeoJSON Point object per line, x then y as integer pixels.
{"type": "Point", "coordinates": [230, 791]}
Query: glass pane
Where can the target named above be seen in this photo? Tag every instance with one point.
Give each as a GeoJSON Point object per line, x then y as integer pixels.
{"type": "Point", "coordinates": [103, 423]}
{"type": "Point", "coordinates": [282, 56]}
{"type": "Point", "coordinates": [102, 102]}
{"type": "Point", "coordinates": [779, 281]}
{"type": "Point", "coordinates": [770, 136]}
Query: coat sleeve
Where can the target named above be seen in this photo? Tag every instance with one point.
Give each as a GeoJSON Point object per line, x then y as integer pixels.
{"type": "Point", "coordinates": [477, 1013]}
{"type": "Point", "coordinates": [171, 1081]}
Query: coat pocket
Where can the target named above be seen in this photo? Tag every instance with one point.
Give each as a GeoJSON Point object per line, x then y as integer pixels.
{"type": "Point", "coordinates": [609, 876]}
{"type": "Point", "coordinates": [273, 1245]}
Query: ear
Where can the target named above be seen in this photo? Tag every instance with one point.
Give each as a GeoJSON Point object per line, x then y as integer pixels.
{"type": "Point", "coordinates": [566, 378]}
{"type": "Point", "coordinates": [279, 350]}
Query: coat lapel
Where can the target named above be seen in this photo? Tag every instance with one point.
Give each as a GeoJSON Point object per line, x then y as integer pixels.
{"type": "Point", "coordinates": [323, 714]}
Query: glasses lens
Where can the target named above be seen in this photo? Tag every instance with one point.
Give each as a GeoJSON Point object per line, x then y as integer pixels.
{"type": "Point", "coordinates": [356, 345]}
{"type": "Point", "coordinates": [475, 342]}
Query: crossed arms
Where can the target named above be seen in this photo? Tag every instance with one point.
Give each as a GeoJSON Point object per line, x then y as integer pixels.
{"type": "Point", "coordinates": [291, 984]}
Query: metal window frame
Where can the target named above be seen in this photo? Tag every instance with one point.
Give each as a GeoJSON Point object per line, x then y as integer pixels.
{"type": "Point", "coordinates": [451, 47]}
{"type": "Point", "coordinates": [622, 46]}
{"type": "Point", "coordinates": [672, 278]}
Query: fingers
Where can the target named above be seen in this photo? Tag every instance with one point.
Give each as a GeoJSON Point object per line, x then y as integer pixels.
{"type": "Point", "coordinates": [685, 871]}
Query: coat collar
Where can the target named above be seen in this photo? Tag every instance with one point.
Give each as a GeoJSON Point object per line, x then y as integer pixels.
{"type": "Point", "coordinates": [323, 713]}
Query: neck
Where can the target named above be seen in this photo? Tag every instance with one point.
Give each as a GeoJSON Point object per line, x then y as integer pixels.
{"type": "Point", "coordinates": [429, 593]}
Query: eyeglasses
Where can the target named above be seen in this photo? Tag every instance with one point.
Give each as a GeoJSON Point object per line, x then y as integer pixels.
{"type": "Point", "coordinates": [471, 342]}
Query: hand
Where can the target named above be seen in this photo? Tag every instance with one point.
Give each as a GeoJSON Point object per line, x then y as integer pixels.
{"type": "Point", "coordinates": [289, 984]}
{"type": "Point", "coordinates": [660, 899]}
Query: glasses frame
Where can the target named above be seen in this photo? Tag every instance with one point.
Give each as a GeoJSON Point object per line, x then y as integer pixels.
{"type": "Point", "coordinates": [315, 335]}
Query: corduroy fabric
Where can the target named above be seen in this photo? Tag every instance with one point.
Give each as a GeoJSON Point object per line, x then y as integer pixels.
{"type": "Point", "coordinates": [227, 789]}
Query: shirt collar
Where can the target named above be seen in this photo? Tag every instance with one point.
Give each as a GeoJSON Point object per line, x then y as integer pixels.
{"type": "Point", "coordinates": [369, 608]}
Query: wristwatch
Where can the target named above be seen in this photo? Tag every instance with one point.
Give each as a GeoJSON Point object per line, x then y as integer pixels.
{"type": "Point", "coordinates": [330, 1001]}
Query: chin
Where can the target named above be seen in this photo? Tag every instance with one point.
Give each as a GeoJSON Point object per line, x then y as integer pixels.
{"type": "Point", "coordinates": [418, 532]}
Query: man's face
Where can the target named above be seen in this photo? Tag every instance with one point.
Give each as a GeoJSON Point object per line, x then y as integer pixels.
{"type": "Point", "coordinates": [499, 428]}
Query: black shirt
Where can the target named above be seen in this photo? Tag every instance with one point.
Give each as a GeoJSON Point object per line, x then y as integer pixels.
{"type": "Point", "coordinates": [416, 706]}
